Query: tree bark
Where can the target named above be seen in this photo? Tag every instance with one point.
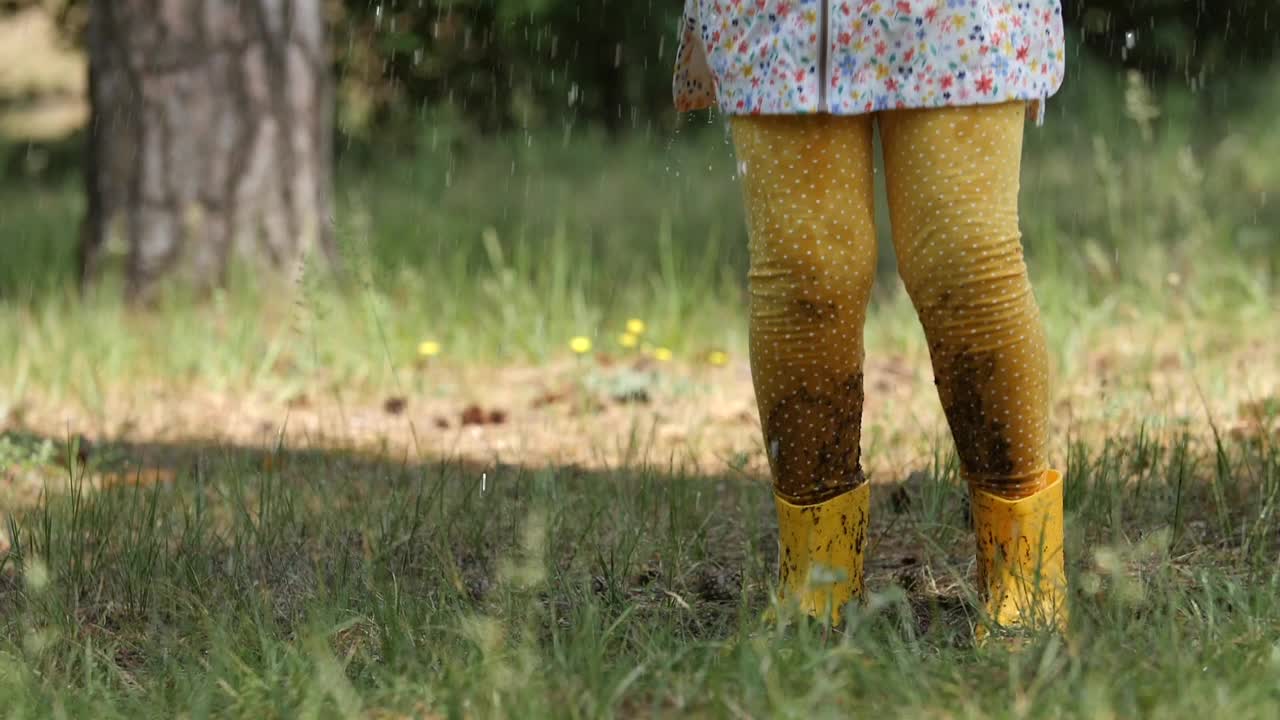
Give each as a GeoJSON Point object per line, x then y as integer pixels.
{"type": "Point", "coordinates": [210, 138]}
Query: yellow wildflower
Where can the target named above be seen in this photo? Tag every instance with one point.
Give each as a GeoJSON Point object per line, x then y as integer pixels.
{"type": "Point", "coordinates": [627, 340]}
{"type": "Point", "coordinates": [635, 326]}
{"type": "Point", "coordinates": [719, 358]}
{"type": "Point", "coordinates": [580, 344]}
{"type": "Point", "coordinates": [662, 354]}
{"type": "Point", "coordinates": [428, 348]}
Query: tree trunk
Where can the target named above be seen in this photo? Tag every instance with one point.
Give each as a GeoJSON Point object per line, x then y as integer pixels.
{"type": "Point", "coordinates": [210, 137]}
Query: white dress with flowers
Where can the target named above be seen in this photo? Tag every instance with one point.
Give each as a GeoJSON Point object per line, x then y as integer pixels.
{"type": "Point", "coordinates": [848, 57]}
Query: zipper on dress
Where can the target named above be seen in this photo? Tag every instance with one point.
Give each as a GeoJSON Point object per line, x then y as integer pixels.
{"type": "Point", "coordinates": [822, 56]}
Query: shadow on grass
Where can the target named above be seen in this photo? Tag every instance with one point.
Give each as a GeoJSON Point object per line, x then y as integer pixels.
{"type": "Point", "coordinates": [244, 570]}
{"type": "Point", "coordinates": [308, 525]}
{"type": "Point", "coordinates": [220, 523]}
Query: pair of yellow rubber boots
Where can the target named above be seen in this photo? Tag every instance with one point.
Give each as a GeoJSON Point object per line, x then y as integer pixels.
{"type": "Point", "coordinates": [1021, 571]}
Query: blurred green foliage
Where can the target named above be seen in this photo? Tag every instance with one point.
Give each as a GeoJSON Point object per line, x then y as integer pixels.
{"type": "Point", "coordinates": [1189, 41]}
{"type": "Point", "coordinates": [529, 63]}
{"type": "Point", "coordinates": [520, 64]}
{"type": "Point", "coordinates": [506, 63]}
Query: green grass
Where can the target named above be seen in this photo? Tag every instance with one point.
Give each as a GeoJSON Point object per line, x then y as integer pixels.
{"type": "Point", "coordinates": [503, 248]}
{"type": "Point", "coordinates": [331, 586]}
{"type": "Point", "coordinates": [606, 233]}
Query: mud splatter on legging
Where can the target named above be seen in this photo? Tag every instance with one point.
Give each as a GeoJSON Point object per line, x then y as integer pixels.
{"type": "Point", "coordinates": [952, 178]}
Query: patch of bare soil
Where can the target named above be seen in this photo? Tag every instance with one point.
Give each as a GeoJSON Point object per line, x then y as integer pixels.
{"type": "Point", "coordinates": [608, 412]}
{"type": "Point", "coordinates": [43, 79]}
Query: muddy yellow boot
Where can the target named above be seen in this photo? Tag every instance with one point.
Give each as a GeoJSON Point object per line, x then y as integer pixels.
{"type": "Point", "coordinates": [820, 552]}
{"type": "Point", "coordinates": [1021, 570]}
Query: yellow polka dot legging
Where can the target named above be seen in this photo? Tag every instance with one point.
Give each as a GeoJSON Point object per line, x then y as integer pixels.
{"type": "Point", "coordinates": [952, 179]}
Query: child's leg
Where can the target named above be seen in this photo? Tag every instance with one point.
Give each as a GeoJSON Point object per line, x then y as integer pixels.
{"type": "Point", "coordinates": [952, 176]}
{"type": "Point", "coordinates": [810, 214]}
{"type": "Point", "coordinates": [808, 190]}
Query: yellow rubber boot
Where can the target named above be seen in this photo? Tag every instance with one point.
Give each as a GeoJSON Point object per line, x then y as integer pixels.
{"type": "Point", "coordinates": [820, 552]}
{"type": "Point", "coordinates": [1021, 569]}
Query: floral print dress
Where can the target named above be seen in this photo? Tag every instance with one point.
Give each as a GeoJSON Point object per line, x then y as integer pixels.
{"type": "Point", "coordinates": [847, 57]}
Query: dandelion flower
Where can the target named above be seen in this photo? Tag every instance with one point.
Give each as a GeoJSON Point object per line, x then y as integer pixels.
{"type": "Point", "coordinates": [428, 348]}
{"type": "Point", "coordinates": [662, 354]}
{"type": "Point", "coordinates": [627, 340]}
{"type": "Point", "coordinates": [635, 326]}
{"type": "Point", "coordinates": [719, 358]}
{"type": "Point", "coordinates": [580, 345]}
